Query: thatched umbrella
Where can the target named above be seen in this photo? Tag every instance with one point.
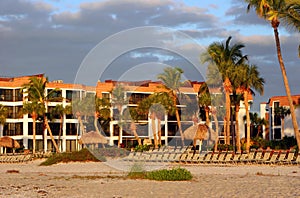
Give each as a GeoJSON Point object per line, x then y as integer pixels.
{"type": "Point", "coordinates": [9, 142]}
{"type": "Point", "coordinates": [92, 137]}
{"type": "Point", "coordinates": [196, 132]}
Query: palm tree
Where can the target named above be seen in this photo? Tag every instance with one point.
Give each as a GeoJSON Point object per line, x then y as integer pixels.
{"type": "Point", "coordinates": [3, 115]}
{"type": "Point", "coordinates": [226, 58]}
{"type": "Point", "coordinates": [35, 109]}
{"type": "Point", "coordinates": [256, 122]}
{"type": "Point", "coordinates": [282, 112]}
{"type": "Point", "coordinates": [157, 104]}
{"type": "Point", "coordinates": [118, 101]}
{"type": "Point", "coordinates": [36, 91]}
{"type": "Point", "coordinates": [133, 115]}
{"type": "Point", "coordinates": [59, 110]}
{"type": "Point", "coordinates": [204, 100]}
{"type": "Point", "coordinates": [171, 79]}
{"type": "Point", "coordinates": [275, 12]}
{"type": "Point", "coordinates": [250, 80]}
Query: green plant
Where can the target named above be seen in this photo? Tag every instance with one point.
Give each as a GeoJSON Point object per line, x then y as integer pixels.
{"type": "Point", "coordinates": [78, 156]}
{"type": "Point", "coordinates": [141, 148]}
{"type": "Point", "coordinates": [137, 172]}
{"type": "Point", "coordinates": [175, 174]}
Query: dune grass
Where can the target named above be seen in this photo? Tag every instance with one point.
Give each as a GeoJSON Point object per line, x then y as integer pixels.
{"type": "Point", "coordinates": [83, 155]}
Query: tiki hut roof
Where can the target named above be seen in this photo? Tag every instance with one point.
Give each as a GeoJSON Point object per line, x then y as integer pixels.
{"type": "Point", "coordinates": [92, 137]}
{"type": "Point", "coordinates": [196, 131]}
{"type": "Point", "coordinates": [9, 142]}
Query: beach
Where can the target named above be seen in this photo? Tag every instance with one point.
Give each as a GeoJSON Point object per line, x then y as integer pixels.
{"type": "Point", "coordinates": [97, 179]}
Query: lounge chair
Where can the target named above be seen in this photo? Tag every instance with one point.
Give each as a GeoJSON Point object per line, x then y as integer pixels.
{"type": "Point", "coordinates": [201, 157]}
{"type": "Point", "coordinates": [228, 158]}
{"type": "Point", "coordinates": [290, 157]}
{"type": "Point", "coordinates": [297, 160]}
{"type": "Point", "coordinates": [208, 157]}
{"type": "Point", "coordinates": [273, 158]}
{"type": "Point", "coordinates": [265, 158]}
{"type": "Point", "coordinates": [250, 157]}
{"type": "Point", "coordinates": [195, 158]}
{"type": "Point", "coordinates": [189, 157]}
{"type": "Point", "coordinates": [214, 158]}
{"type": "Point", "coordinates": [243, 158]}
{"type": "Point", "coordinates": [281, 157]}
{"type": "Point", "coordinates": [258, 156]}
{"type": "Point", "coordinates": [236, 158]}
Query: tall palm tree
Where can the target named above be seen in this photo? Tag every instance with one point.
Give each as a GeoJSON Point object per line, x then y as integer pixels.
{"type": "Point", "coordinates": [249, 79]}
{"type": "Point", "coordinates": [285, 12]}
{"type": "Point", "coordinates": [36, 92]}
{"type": "Point", "coordinates": [225, 57]}
{"type": "Point", "coordinates": [157, 105]}
{"type": "Point", "coordinates": [282, 112]}
{"type": "Point", "coordinates": [34, 109]}
{"type": "Point", "coordinates": [171, 78]}
{"type": "Point", "coordinates": [59, 110]}
{"type": "Point", "coordinates": [118, 101]}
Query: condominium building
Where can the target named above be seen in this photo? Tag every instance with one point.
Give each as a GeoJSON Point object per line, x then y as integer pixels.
{"type": "Point", "coordinates": [280, 123]}
{"type": "Point", "coordinates": [20, 126]}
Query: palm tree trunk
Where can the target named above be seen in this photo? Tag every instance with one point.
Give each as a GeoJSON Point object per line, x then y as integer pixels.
{"type": "Point", "coordinates": [154, 130]}
{"type": "Point", "coordinates": [159, 130]}
{"type": "Point", "coordinates": [282, 128]}
{"type": "Point", "coordinates": [286, 85]}
{"type": "Point", "coordinates": [227, 118]}
{"type": "Point", "coordinates": [136, 136]}
{"type": "Point", "coordinates": [50, 133]}
{"type": "Point", "coordinates": [33, 132]}
{"type": "Point", "coordinates": [96, 127]}
{"type": "Point", "coordinates": [207, 121]}
{"type": "Point", "coordinates": [237, 129]}
{"type": "Point", "coordinates": [247, 120]}
{"type": "Point", "coordinates": [60, 130]}
{"type": "Point", "coordinates": [217, 131]}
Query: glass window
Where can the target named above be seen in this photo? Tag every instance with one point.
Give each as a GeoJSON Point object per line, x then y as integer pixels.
{"type": "Point", "coordinates": [12, 129]}
{"type": "Point", "coordinates": [55, 96]}
{"type": "Point", "coordinates": [71, 94]}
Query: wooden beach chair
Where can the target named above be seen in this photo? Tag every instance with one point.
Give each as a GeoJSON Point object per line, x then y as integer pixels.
{"type": "Point", "coordinates": [189, 157]}
{"type": "Point", "coordinates": [258, 156]}
{"type": "Point", "coordinates": [214, 158]}
{"type": "Point", "coordinates": [265, 158]}
{"type": "Point", "coordinates": [281, 157]}
{"type": "Point", "coordinates": [273, 158]}
{"type": "Point", "coordinates": [221, 157]}
{"type": "Point", "coordinates": [208, 157]}
{"type": "Point", "coordinates": [290, 157]}
{"type": "Point", "coordinates": [297, 160]}
{"type": "Point", "coordinates": [228, 157]}
{"type": "Point", "coordinates": [201, 157]}
{"type": "Point", "coordinates": [236, 158]}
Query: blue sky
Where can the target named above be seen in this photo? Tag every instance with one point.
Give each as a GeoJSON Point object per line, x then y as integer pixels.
{"type": "Point", "coordinates": [55, 36]}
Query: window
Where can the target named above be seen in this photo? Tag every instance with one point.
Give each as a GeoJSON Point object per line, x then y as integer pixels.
{"type": "Point", "coordinates": [106, 95]}
{"type": "Point", "coordinates": [277, 134]}
{"type": "Point", "coordinates": [55, 128]}
{"type": "Point", "coordinates": [6, 94]}
{"type": "Point", "coordinates": [55, 96]}
{"type": "Point", "coordinates": [15, 112]}
{"type": "Point", "coordinates": [12, 129]}
{"type": "Point", "coordinates": [71, 128]}
{"type": "Point", "coordinates": [71, 95]}
{"type": "Point", "coordinates": [39, 128]}
{"type": "Point", "coordinates": [135, 98]}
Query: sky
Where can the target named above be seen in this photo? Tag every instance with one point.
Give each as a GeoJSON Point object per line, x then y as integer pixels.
{"type": "Point", "coordinates": [134, 40]}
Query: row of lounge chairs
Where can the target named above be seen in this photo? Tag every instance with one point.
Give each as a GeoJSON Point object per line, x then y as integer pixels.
{"type": "Point", "coordinates": [15, 158]}
{"type": "Point", "coordinates": [187, 155]}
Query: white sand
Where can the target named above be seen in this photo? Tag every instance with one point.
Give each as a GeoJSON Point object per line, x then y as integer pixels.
{"type": "Point", "coordinates": [94, 179]}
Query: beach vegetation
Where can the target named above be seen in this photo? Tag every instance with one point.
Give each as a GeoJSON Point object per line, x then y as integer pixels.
{"type": "Point", "coordinates": [84, 155]}
{"type": "Point", "coordinates": [174, 174]}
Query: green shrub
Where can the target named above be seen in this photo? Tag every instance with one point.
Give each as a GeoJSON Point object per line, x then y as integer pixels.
{"type": "Point", "coordinates": [175, 174]}
{"type": "Point", "coordinates": [141, 148]}
{"type": "Point", "coordinates": [78, 156]}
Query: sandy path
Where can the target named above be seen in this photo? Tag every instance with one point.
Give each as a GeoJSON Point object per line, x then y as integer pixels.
{"type": "Point", "coordinates": [99, 180]}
